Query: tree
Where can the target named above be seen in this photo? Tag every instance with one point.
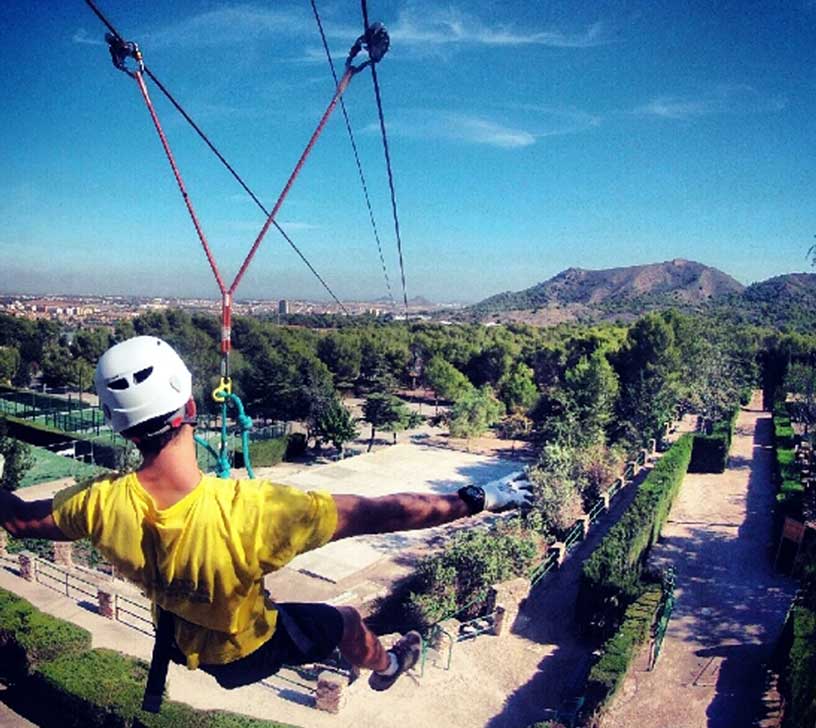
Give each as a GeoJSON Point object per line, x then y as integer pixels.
{"type": "Point", "coordinates": [18, 460]}
{"type": "Point", "coordinates": [341, 355]}
{"type": "Point", "coordinates": [517, 389]}
{"type": "Point", "coordinates": [647, 367]}
{"type": "Point", "coordinates": [591, 389]}
{"type": "Point", "coordinates": [384, 411]}
{"type": "Point", "coordinates": [474, 412]}
{"type": "Point", "coordinates": [335, 423]}
{"type": "Point", "coordinates": [445, 379]}
{"type": "Point", "coordinates": [9, 362]}
{"type": "Point", "coordinates": [557, 499]}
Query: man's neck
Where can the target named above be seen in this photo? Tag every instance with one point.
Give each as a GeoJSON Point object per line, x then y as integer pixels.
{"type": "Point", "coordinates": [172, 473]}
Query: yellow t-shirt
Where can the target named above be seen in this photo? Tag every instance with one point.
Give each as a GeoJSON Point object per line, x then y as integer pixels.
{"type": "Point", "coordinates": [204, 557]}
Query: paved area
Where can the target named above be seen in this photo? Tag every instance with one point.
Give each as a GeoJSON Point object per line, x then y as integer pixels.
{"type": "Point", "coordinates": [730, 604]}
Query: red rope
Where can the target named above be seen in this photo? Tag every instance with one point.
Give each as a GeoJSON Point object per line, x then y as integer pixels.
{"type": "Point", "coordinates": [341, 87]}
{"type": "Point", "coordinates": [140, 81]}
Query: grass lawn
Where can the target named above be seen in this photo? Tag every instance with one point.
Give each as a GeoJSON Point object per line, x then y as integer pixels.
{"type": "Point", "coordinates": [49, 466]}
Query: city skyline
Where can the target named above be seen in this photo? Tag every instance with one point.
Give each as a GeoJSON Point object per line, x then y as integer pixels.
{"type": "Point", "coordinates": [525, 140]}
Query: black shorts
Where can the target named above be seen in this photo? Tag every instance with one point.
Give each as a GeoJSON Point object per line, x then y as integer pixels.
{"type": "Point", "coordinates": [304, 633]}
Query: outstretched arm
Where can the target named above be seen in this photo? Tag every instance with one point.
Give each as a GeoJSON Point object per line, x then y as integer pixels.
{"type": "Point", "coordinates": [357, 515]}
{"type": "Point", "coordinates": [399, 512]}
{"type": "Point", "coordinates": [24, 519]}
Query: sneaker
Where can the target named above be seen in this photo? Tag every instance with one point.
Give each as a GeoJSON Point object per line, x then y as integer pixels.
{"type": "Point", "coordinates": [407, 651]}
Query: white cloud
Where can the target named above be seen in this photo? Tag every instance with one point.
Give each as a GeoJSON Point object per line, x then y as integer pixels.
{"type": "Point", "coordinates": [450, 26]}
{"type": "Point", "coordinates": [723, 99]}
{"type": "Point", "coordinates": [476, 129]}
{"type": "Point", "coordinates": [81, 36]}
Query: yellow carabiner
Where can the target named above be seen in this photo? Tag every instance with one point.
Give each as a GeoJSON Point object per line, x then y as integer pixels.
{"type": "Point", "coordinates": [223, 390]}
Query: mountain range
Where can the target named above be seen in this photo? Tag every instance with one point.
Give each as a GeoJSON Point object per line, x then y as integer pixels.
{"type": "Point", "coordinates": [627, 292]}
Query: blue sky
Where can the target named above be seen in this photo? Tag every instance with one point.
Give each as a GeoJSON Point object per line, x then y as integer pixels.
{"type": "Point", "coordinates": [526, 137]}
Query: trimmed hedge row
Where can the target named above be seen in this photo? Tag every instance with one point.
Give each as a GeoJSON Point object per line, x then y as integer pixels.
{"type": "Point", "coordinates": [608, 673]}
{"type": "Point", "coordinates": [790, 495]}
{"type": "Point", "coordinates": [610, 578]}
{"type": "Point", "coordinates": [104, 454]}
{"type": "Point", "coordinates": [709, 453]}
{"type": "Point", "coordinates": [800, 672]}
{"type": "Point", "coordinates": [57, 680]}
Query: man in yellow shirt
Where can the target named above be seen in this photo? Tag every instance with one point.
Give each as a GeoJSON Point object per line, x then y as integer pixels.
{"type": "Point", "coordinates": [199, 546]}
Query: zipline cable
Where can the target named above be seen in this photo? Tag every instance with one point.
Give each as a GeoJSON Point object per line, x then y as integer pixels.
{"type": "Point", "coordinates": [222, 159]}
{"type": "Point", "coordinates": [391, 187]}
{"type": "Point", "coordinates": [376, 43]}
{"type": "Point", "coordinates": [356, 155]}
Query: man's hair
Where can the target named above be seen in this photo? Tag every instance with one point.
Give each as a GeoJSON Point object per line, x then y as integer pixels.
{"type": "Point", "coordinates": [153, 435]}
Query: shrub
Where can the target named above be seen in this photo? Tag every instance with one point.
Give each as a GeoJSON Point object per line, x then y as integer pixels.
{"type": "Point", "coordinates": [710, 452]}
{"type": "Point", "coordinates": [608, 673]}
{"type": "Point", "coordinates": [264, 453]}
{"type": "Point", "coordinates": [295, 445]}
{"type": "Point", "coordinates": [610, 578]}
{"type": "Point", "coordinates": [29, 637]}
{"type": "Point", "coordinates": [460, 576]}
{"type": "Point", "coordinates": [790, 491]}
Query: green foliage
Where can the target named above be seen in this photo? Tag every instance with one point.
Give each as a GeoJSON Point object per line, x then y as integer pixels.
{"type": "Point", "coordinates": [608, 673]}
{"type": "Point", "coordinates": [474, 412]}
{"type": "Point", "coordinates": [9, 362]}
{"type": "Point", "coordinates": [610, 578]}
{"type": "Point", "coordinates": [800, 673]}
{"type": "Point", "coordinates": [336, 425]}
{"type": "Point", "coordinates": [445, 379]}
{"type": "Point", "coordinates": [385, 411]}
{"type": "Point", "coordinates": [710, 452]}
{"type": "Point", "coordinates": [56, 673]}
{"type": "Point", "coordinates": [29, 637]}
{"type": "Point", "coordinates": [517, 389]}
{"type": "Point", "coordinates": [265, 453]}
{"type": "Point", "coordinates": [591, 389]}
{"type": "Point", "coordinates": [18, 460]}
{"type": "Point", "coordinates": [456, 580]}
{"type": "Point", "coordinates": [790, 490]}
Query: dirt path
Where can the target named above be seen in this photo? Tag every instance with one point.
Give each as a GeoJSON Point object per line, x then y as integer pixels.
{"type": "Point", "coordinates": [730, 604]}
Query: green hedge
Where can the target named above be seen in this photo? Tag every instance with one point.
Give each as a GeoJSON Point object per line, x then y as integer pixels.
{"type": "Point", "coordinates": [608, 673]}
{"type": "Point", "coordinates": [29, 637]}
{"type": "Point", "coordinates": [709, 453]}
{"type": "Point", "coordinates": [610, 578]}
{"type": "Point", "coordinates": [57, 680]}
{"type": "Point", "coordinates": [790, 491]}
{"type": "Point", "coordinates": [800, 673]}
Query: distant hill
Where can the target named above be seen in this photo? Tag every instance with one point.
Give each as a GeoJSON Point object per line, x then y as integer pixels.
{"type": "Point", "coordinates": [783, 301]}
{"type": "Point", "coordinates": [676, 281]}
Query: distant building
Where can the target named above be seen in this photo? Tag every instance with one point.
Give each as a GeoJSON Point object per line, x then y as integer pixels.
{"type": "Point", "coordinates": [283, 307]}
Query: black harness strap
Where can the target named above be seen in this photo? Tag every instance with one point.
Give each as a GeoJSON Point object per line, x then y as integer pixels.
{"type": "Point", "coordinates": [159, 662]}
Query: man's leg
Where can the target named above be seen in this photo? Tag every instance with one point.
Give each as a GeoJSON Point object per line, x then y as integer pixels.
{"type": "Point", "coordinates": [360, 646]}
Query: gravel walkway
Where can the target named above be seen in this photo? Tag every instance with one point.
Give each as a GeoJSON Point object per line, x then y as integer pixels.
{"type": "Point", "coordinates": [730, 604]}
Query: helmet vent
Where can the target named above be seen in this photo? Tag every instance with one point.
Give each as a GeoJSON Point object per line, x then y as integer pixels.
{"type": "Point", "coordinates": [142, 374]}
{"type": "Point", "coordinates": [120, 383]}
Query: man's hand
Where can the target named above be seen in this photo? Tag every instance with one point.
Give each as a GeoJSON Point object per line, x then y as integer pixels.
{"type": "Point", "coordinates": [512, 492]}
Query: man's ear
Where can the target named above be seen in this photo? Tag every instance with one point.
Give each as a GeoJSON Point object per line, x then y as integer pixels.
{"type": "Point", "coordinates": [190, 408]}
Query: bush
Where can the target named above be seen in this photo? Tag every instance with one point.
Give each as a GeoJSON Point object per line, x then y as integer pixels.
{"type": "Point", "coordinates": [610, 578]}
{"type": "Point", "coordinates": [790, 491]}
{"type": "Point", "coordinates": [608, 673]}
{"type": "Point", "coordinates": [59, 681]}
{"type": "Point", "coordinates": [710, 452]}
{"type": "Point", "coordinates": [800, 675]}
{"type": "Point", "coordinates": [264, 453]}
{"type": "Point", "coordinates": [29, 637]}
{"type": "Point", "coordinates": [461, 575]}
{"type": "Point", "coordinates": [295, 445]}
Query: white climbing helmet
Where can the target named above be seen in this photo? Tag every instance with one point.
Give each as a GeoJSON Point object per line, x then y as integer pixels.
{"type": "Point", "coordinates": [140, 379]}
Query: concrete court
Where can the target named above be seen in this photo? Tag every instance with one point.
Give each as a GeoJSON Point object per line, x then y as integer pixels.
{"type": "Point", "coordinates": [399, 468]}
